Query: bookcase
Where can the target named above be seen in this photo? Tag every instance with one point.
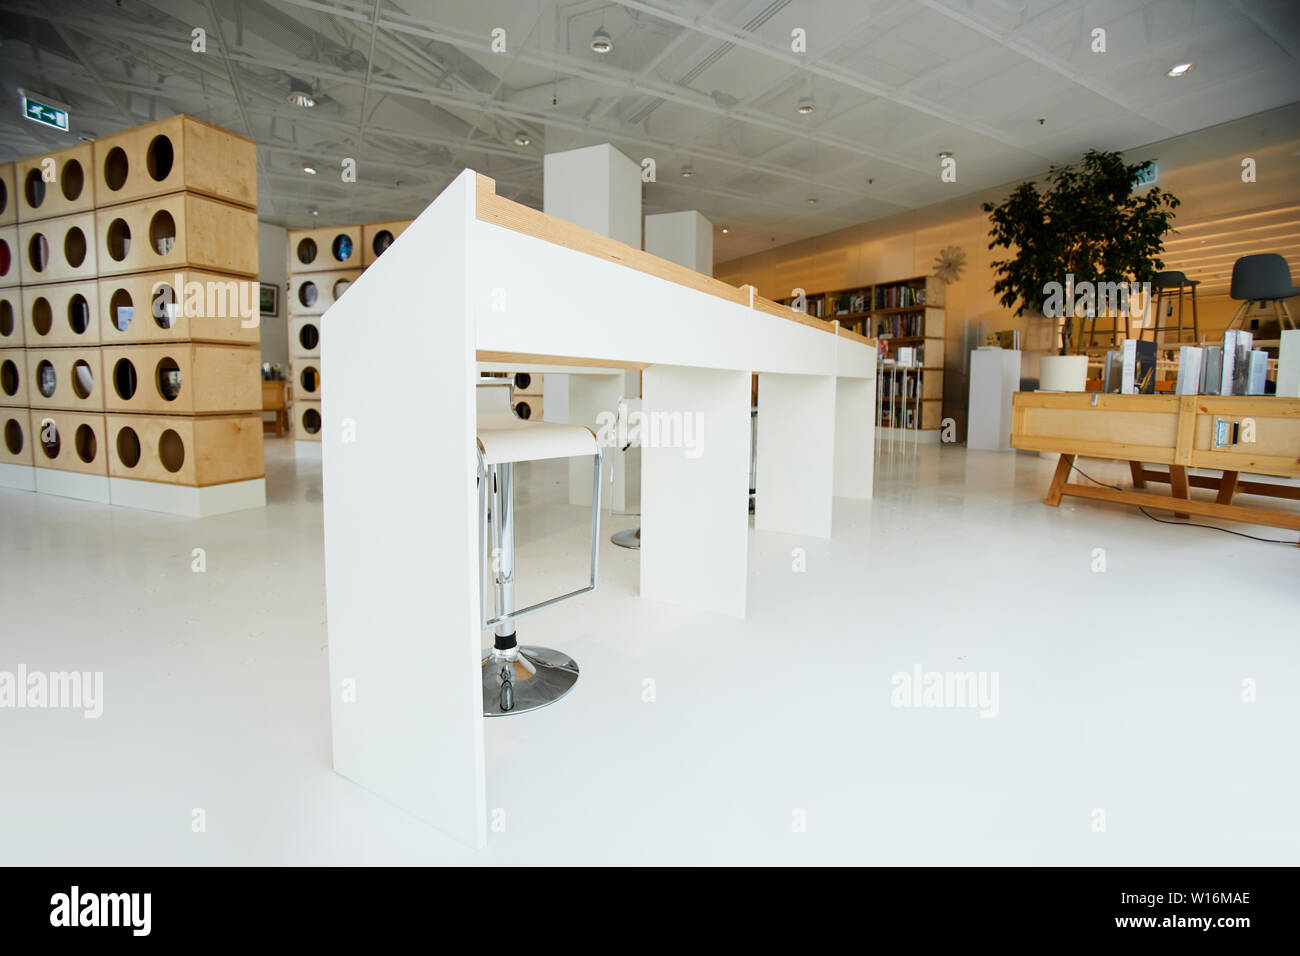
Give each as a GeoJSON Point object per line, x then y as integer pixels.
{"type": "Point", "coordinates": [129, 359]}
{"type": "Point", "coordinates": [323, 262]}
{"type": "Point", "coordinates": [903, 313]}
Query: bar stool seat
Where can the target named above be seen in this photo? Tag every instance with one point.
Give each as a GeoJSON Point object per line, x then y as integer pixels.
{"type": "Point", "coordinates": [516, 677]}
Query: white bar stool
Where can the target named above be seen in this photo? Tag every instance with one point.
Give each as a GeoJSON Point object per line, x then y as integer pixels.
{"type": "Point", "coordinates": [519, 678]}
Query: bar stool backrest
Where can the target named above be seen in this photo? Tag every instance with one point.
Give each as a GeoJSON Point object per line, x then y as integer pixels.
{"type": "Point", "coordinates": [1262, 278]}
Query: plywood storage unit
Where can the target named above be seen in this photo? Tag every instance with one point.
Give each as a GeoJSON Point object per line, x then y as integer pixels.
{"type": "Point", "coordinates": [12, 334]}
{"type": "Point", "coordinates": [13, 378]}
{"type": "Point", "coordinates": [57, 250]}
{"type": "Point", "coordinates": [63, 313]}
{"type": "Point", "coordinates": [179, 154]}
{"type": "Point", "coordinates": [306, 379]}
{"type": "Point", "coordinates": [15, 436]}
{"type": "Point", "coordinates": [306, 421]}
{"type": "Point", "coordinates": [304, 336]}
{"type": "Point", "coordinates": [70, 379]}
{"type": "Point", "coordinates": [378, 236]}
{"type": "Point", "coordinates": [176, 231]}
{"type": "Point", "coordinates": [10, 270]}
{"type": "Point", "coordinates": [75, 443]}
{"type": "Point", "coordinates": [71, 189]}
{"type": "Point", "coordinates": [182, 378]}
{"type": "Point", "coordinates": [8, 198]}
{"type": "Point", "coordinates": [179, 450]}
{"type": "Point", "coordinates": [325, 249]}
{"type": "Point", "coordinates": [178, 306]}
{"type": "Point", "coordinates": [314, 292]}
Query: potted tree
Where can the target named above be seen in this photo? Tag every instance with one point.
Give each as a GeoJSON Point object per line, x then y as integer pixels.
{"type": "Point", "coordinates": [1091, 222]}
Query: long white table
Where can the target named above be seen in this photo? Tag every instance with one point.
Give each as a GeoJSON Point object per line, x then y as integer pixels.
{"type": "Point", "coordinates": [479, 280]}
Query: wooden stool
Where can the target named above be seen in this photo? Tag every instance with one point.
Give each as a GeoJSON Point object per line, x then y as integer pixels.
{"type": "Point", "coordinates": [1165, 284]}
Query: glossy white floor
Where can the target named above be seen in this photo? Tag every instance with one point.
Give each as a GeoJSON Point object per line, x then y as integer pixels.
{"type": "Point", "coordinates": [1120, 693]}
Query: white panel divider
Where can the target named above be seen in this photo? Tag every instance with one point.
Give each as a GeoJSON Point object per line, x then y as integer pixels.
{"type": "Point", "coordinates": [796, 454]}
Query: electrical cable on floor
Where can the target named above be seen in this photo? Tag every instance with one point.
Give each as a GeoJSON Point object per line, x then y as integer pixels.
{"type": "Point", "coordinates": [1182, 524]}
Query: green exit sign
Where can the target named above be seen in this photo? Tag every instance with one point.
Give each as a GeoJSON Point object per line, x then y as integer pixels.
{"type": "Point", "coordinates": [44, 113]}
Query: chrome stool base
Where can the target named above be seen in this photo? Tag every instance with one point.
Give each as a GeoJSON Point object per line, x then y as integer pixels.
{"type": "Point", "coordinates": [525, 678]}
{"type": "Point", "coordinates": [631, 538]}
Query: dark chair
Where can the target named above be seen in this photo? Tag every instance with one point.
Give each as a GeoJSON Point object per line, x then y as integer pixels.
{"type": "Point", "coordinates": [1167, 285]}
{"type": "Point", "coordinates": [1263, 278]}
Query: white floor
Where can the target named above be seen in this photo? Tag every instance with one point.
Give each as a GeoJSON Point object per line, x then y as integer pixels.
{"type": "Point", "coordinates": [1119, 691]}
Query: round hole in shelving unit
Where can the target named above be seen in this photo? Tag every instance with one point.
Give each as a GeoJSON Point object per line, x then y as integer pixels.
{"type": "Point", "coordinates": [523, 380]}
{"type": "Point", "coordinates": [168, 378]}
{"type": "Point", "coordinates": [523, 410]}
{"type": "Point", "coordinates": [42, 316]}
{"type": "Point", "coordinates": [162, 232]}
{"type": "Point", "coordinates": [307, 294]}
{"type": "Point", "coordinates": [72, 180]}
{"type": "Point", "coordinates": [116, 167]}
{"type": "Point", "coordinates": [307, 251]}
{"type": "Point", "coordinates": [83, 379]}
{"type": "Point", "coordinates": [38, 251]}
{"type": "Point", "coordinates": [118, 239]}
{"type": "Point", "coordinates": [6, 258]}
{"type": "Point", "coordinates": [6, 318]}
{"type": "Point", "coordinates": [341, 247]}
{"type": "Point", "coordinates": [309, 379]}
{"type": "Point", "coordinates": [125, 380]}
{"type": "Point", "coordinates": [340, 286]}
{"type": "Point", "coordinates": [311, 421]}
{"type": "Point", "coordinates": [383, 239]}
{"type": "Point", "coordinates": [78, 314]}
{"type": "Point", "coordinates": [74, 247]}
{"type": "Point", "coordinates": [171, 451]}
{"type": "Point", "coordinates": [128, 447]}
{"type": "Point", "coordinates": [9, 380]}
{"type": "Point", "coordinates": [46, 379]}
{"type": "Point", "coordinates": [164, 305]}
{"type": "Point", "coordinates": [160, 157]}
{"type": "Point", "coordinates": [121, 308]}
{"type": "Point", "coordinates": [4, 196]}
{"type": "Point", "coordinates": [85, 442]}
{"type": "Point", "coordinates": [34, 188]}
{"type": "Point", "coordinates": [309, 336]}
{"type": "Point", "coordinates": [13, 436]}
{"type": "Point", "coordinates": [50, 441]}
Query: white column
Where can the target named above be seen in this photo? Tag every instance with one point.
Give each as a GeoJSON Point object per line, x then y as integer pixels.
{"type": "Point", "coordinates": [682, 237]}
{"type": "Point", "coordinates": [796, 454]}
{"type": "Point", "coordinates": [695, 500]}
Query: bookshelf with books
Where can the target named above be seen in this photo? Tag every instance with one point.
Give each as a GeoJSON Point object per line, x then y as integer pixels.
{"type": "Point", "coordinates": [905, 313]}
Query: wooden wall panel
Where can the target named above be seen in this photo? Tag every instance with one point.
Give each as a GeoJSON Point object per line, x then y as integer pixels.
{"type": "Point", "coordinates": [312, 293]}
{"type": "Point", "coordinates": [214, 379]}
{"type": "Point", "coordinates": [209, 307]}
{"type": "Point", "coordinates": [63, 313]}
{"type": "Point", "coordinates": [71, 191]}
{"type": "Point", "coordinates": [69, 379]}
{"type": "Point", "coordinates": [178, 153]}
{"type": "Point", "coordinates": [323, 250]}
{"type": "Point", "coordinates": [176, 231]}
{"type": "Point", "coordinates": [57, 250]}
{"type": "Point", "coordinates": [76, 442]}
{"type": "Point", "coordinates": [196, 452]}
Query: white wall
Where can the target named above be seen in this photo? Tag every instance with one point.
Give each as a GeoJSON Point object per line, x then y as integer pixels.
{"type": "Point", "coordinates": [273, 268]}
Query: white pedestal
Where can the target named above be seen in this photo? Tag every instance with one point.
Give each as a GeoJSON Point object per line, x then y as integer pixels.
{"type": "Point", "coordinates": [19, 477]}
{"type": "Point", "coordinates": [855, 436]}
{"type": "Point", "coordinates": [183, 500]}
{"type": "Point", "coordinates": [994, 378]}
{"type": "Point", "coordinates": [72, 484]}
{"type": "Point", "coordinates": [796, 454]}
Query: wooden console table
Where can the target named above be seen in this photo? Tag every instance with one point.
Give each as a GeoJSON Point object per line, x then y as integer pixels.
{"type": "Point", "coordinates": [1235, 435]}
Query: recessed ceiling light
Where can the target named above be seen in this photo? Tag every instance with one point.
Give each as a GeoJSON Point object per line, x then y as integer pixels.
{"type": "Point", "coordinates": [314, 212]}
{"type": "Point", "coordinates": [806, 105]}
{"type": "Point", "coordinates": [522, 138]}
{"type": "Point", "coordinates": [688, 171]}
{"type": "Point", "coordinates": [945, 154]}
{"type": "Point", "coordinates": [300, 94]}
{"type": "Point", "coordinates": [309, 170]}
{"type": "Point", "coordinates": [1180, 69]}
{"type": "Point", "coordinates": [724, 230]}
{"type": "Point", "coordinates": [811, 200]}
{"type": "Point", "coordinates": [601, 42]}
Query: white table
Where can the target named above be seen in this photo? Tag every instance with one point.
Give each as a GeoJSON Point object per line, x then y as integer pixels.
{"type": "Point", "coordinates": [478, 279]}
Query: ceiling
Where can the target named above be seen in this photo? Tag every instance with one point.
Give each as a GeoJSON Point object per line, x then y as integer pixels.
{"type": "Point", "coordinates": [412, 91]}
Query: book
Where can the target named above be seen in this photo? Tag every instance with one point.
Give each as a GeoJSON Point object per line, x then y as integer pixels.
{"type": "Point", "coordinates": [1145, 372]}
{"type": "Point", "coordinates": [1288, 364]}
{"type": "Point", "coordinates": [1112, 372]}
{"type": "Point", "coordinates": [1189, 370]}
{"type": "Point", "coordinates": [1236, 362]}
{"type": "Point", "coordinates": [1213, 370]}
{"type": "Point", "coordinates": [1257, 372]}
{"type": "Point", "coordinates": [1128, 368]}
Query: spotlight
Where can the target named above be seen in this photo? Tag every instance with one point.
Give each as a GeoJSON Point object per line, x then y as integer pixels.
{"type": "Point", "coordinates": [601, 42]}
{"type": "Point", "coordinates": [688, 171]}
{"type": "Point", "coordinates": [300, 94]}
{"type": "Point", "coordinates": [811, 200]}
{"type": "Point", "coordinates": [945, 154]}
{"type": "Point", "coordinates": [309, 170]}
{"type": "Point", "coordinates": [522, 138]}
{"type": "Point", "coordinates": [1180, 69]}
{"type": "Point", "coordinates": [724, 230]}
{"type": "Point", "coordinates": [806, 106]}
